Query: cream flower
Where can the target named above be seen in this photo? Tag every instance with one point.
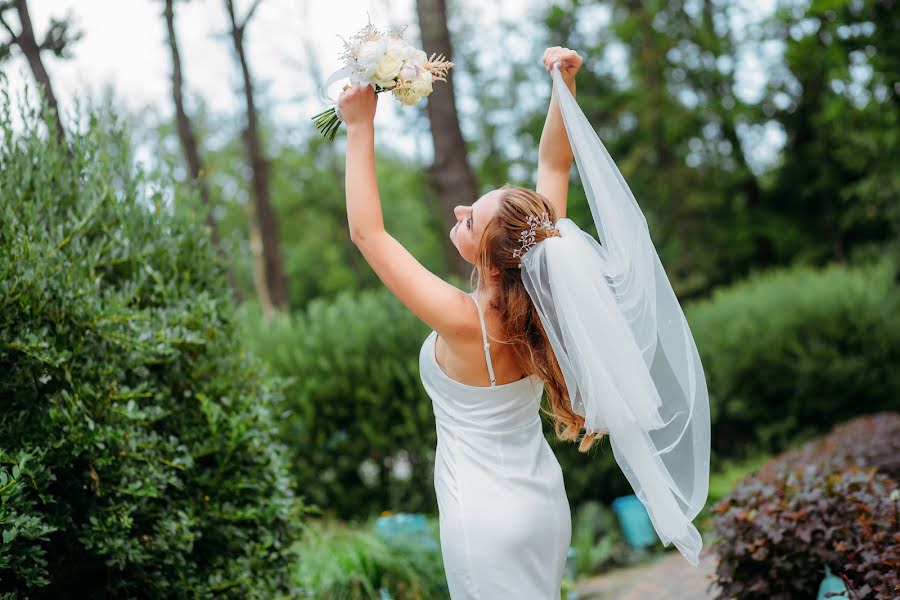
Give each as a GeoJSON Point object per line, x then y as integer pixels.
{"type": "Point", "coordinates": [405, 94]}
{"type": "Point", "coordinates": [422, 85]}
{"type": "Point", "coordinates": [387, 70]}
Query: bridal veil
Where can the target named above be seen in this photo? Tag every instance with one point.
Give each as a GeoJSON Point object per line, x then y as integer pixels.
{"type": "Point", "coordinates": [622, 342]}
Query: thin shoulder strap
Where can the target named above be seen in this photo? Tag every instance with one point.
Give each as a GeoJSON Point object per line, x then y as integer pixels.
{"type": "Point", "coordinates": [487, 346]}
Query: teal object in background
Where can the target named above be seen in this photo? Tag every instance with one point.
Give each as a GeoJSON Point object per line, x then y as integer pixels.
{"type": "Point", "coordinates": [831, 583]}
{"type": "Point", "coordinates": [406, 529]}
{"type": "Point", "coordinates": [635, 521]}
{"type": "Point", "coordinates": [570, 572]}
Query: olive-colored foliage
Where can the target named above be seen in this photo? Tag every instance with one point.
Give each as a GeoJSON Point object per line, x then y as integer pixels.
{"type": "Point", "coordinates": [137, 455]}
{"type": "Point", "coordinates": [356, 412]}
{"type": "Point", "coordinates": [828, 502]}
{"type": "Point", "coordinates": [788, 353]}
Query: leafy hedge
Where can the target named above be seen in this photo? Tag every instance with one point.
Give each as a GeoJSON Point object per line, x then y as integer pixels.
{"type": "Point", "coordinates": [786, 354]}
{"type": "Point", "coordinates": [358, 422]}
{"type": "Point", "coordinates": [136, 438]}
{"type": "Point", "coordinates": [789, 353]}
{"type": "Point", "coordinates": [827, 502]}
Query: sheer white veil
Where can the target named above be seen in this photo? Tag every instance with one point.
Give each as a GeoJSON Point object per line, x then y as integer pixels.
{"type": "Point", "coordinates": [622, 342]}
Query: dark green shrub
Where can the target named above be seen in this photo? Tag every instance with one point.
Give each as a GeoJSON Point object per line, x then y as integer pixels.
{"type": "Point", "coordinates": [358, 421]}
{"type": "Point", "coordinates": [136, 438]}
{"type": "Point", "coordinates": [789, 353]}
{"type": "Point", "coordinates": [819, 504]}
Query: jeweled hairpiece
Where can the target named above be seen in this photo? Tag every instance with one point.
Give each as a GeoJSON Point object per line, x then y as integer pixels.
{"type": "Point", "coordinates": [527, 237]}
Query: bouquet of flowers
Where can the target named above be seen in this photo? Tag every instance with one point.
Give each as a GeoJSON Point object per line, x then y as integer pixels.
{"type": "Point", "coordinates": [384, 60]}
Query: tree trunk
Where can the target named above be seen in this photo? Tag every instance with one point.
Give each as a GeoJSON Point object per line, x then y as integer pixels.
{"type": "Point", "coordinates": [450, 173]}
{"type": "Point", "coordinates": [32, 51]}
{"type": "Point", "coordinates": [189, 146]}
{"type": "Point", "coordinates": [259, 164]}
{"type": "Point", "coordinates": [259, 263]}
{"type": "Point", "coordinates": [185, 131]}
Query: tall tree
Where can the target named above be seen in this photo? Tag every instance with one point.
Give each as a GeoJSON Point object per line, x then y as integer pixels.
{"type": "Point", "coordinates": [185, 130]}
{"type": "Point", "coordinates": [450, 172]}
{"type": "Point", "coordinates": [58, 40]}
{"type": "Point", "coordinates": [188, 140]}
{"type": "Point", "coordinates": [836, 98]}
{"type": "Point", "coordinates": [260, 166]}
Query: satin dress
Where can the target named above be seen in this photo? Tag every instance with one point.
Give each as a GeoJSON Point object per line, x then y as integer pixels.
{"type": "Point", "coordinates": [505, 524]}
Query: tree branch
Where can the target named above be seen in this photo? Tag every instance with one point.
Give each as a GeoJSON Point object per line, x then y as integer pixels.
{"type": "Point", "coordinates": [229, 6]}
{"type": "Point", "coordinates": [250, 13]}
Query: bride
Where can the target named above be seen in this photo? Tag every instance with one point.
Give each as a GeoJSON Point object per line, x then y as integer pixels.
{"type": "Point", "coordinates": [596, 327]}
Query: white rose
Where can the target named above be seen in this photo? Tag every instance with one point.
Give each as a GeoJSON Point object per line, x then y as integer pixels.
{"type": "Point", "coordinates": [387, 70]}
{"type": "Point", "coordinates": [422, 85]}
{"type": "Point", "coordinates": [369, 56]}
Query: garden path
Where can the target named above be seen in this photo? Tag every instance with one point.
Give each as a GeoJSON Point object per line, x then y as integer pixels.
{"type": "Point", "coordinates": [668, 578]}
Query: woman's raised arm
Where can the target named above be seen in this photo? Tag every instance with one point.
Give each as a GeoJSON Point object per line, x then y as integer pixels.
{"type": "Point", "coordinates": [442, 306]}
{"type": "Point", "coordinates": [555, 152]}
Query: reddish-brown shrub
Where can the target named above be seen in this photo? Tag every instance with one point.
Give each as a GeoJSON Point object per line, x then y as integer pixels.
{"type": "Point", "coordinates": [824, 503]}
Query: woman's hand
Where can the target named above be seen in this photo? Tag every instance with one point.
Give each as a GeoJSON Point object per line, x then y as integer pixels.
{"type": "Point", "coordinates": [570, 60]}
{"type": "Point", "coordinates": [357, 104]}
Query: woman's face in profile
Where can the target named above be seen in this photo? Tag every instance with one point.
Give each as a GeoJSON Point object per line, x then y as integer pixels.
{"type": "Point", "coordinates": [470, 223]}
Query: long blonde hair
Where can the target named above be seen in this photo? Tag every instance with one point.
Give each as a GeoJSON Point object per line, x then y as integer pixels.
{"type": "Point", "coordinates": [520, 324]}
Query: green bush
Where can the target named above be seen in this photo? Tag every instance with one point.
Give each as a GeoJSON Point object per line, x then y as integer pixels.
{"type": "Point", "coordinates": [358, 421]}
{"type": "Point", "coordinates": [789, 353]}
{"type": "Point", "coordinates": [137, 456]}
{"type": "Point", "coordinates": [350, 561]}
{"type": "Point", "coordinates": [356, 402]}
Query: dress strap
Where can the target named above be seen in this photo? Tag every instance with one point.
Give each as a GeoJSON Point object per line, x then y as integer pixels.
{"type": "Point", "coordinates": [487, 346]}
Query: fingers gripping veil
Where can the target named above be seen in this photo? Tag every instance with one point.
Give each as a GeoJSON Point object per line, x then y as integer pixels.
{"type": "Point", "coordinates": [622, 342]}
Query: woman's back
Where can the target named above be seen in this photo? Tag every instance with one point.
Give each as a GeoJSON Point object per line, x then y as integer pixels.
{"type": "Point", "coordinates": [505, 524]}
{"type": "Point", "coordinates": [467, 362]}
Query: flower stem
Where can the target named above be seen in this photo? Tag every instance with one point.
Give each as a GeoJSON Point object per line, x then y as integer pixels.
{"type": "Point", "coordinates": [327, 121]}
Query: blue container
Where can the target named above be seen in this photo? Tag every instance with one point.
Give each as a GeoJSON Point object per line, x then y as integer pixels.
{"type": "Point", "coordinates": [832, 583]}
{"type": "Point", "coordinates": [635, 521]}
{"type": "Point", "coordinates": [407, 529]}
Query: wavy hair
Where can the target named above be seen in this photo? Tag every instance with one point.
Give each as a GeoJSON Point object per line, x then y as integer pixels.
{"type": "Point", "coordinates": [520, 324]}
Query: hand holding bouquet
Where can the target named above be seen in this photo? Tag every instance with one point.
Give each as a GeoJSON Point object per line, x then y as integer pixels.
{"type": "Point", "coordinates": [386, 62]}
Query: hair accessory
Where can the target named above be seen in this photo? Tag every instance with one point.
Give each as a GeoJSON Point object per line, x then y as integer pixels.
{"type": "Point", "coordinates": [527, 237]}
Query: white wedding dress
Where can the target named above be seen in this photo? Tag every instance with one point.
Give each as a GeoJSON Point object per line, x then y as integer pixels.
{"type": "Point", "coordinates": [505, 525]}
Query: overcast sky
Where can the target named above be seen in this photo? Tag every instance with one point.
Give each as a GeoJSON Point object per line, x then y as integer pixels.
{"type": "Point", "coordinates": [123, 45]}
